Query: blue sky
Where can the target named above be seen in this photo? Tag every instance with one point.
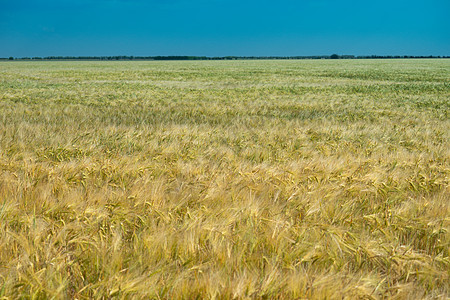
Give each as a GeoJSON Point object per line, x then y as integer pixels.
{"type": "Point", "coordinates": [220, 28]}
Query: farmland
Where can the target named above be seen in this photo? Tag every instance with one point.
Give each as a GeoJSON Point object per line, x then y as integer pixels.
{"type": "Point", "coordinates": [225, 179]}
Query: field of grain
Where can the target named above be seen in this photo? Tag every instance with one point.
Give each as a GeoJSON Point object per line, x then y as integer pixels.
{"type": "Point", "coordinates": [225, 179]}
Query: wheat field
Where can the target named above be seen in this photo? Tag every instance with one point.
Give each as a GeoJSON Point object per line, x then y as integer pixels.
{"type": "Point", "coordinates": [293, 179]}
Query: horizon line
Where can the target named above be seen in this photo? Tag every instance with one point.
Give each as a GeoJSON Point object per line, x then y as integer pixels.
{"type": "Point", "coordinates": [228, 57]}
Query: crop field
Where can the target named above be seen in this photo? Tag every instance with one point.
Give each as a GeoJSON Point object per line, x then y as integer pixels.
{"type": "Point", "coordinates": [293, 179]}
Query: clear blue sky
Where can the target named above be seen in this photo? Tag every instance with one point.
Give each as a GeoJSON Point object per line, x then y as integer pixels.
{"type": "Point", "coordinates": [220, 27]}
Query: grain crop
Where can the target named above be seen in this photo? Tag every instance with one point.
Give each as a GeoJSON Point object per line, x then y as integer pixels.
{"type": "Point", "coordinates": [291, 179]}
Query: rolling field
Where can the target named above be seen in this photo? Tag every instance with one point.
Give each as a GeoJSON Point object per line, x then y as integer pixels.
{"type": "Point", "coordinates": [225, 179]}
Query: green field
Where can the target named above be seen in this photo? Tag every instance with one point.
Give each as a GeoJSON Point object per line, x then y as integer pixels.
{"type": "Point", "coordinates": [288, 179]}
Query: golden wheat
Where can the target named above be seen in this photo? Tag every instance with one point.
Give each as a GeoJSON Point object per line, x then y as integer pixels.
{"type": "Point", "coordinates": [236, 179]}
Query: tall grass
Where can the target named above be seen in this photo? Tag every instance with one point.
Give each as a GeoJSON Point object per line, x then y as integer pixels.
{"type": "Point", "coordinates": [238, 179]}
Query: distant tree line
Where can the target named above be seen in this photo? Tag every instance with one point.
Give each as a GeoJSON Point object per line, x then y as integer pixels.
{"type": "Point", "coordinates": [181, 57]}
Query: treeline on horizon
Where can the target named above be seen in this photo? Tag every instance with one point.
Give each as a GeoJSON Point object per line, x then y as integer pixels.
{"type": "Point", "coordinates": [181, 57]}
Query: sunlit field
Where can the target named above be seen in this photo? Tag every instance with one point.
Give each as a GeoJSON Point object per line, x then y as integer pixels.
{"type": "Point", "coordinates": [321, 179]}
